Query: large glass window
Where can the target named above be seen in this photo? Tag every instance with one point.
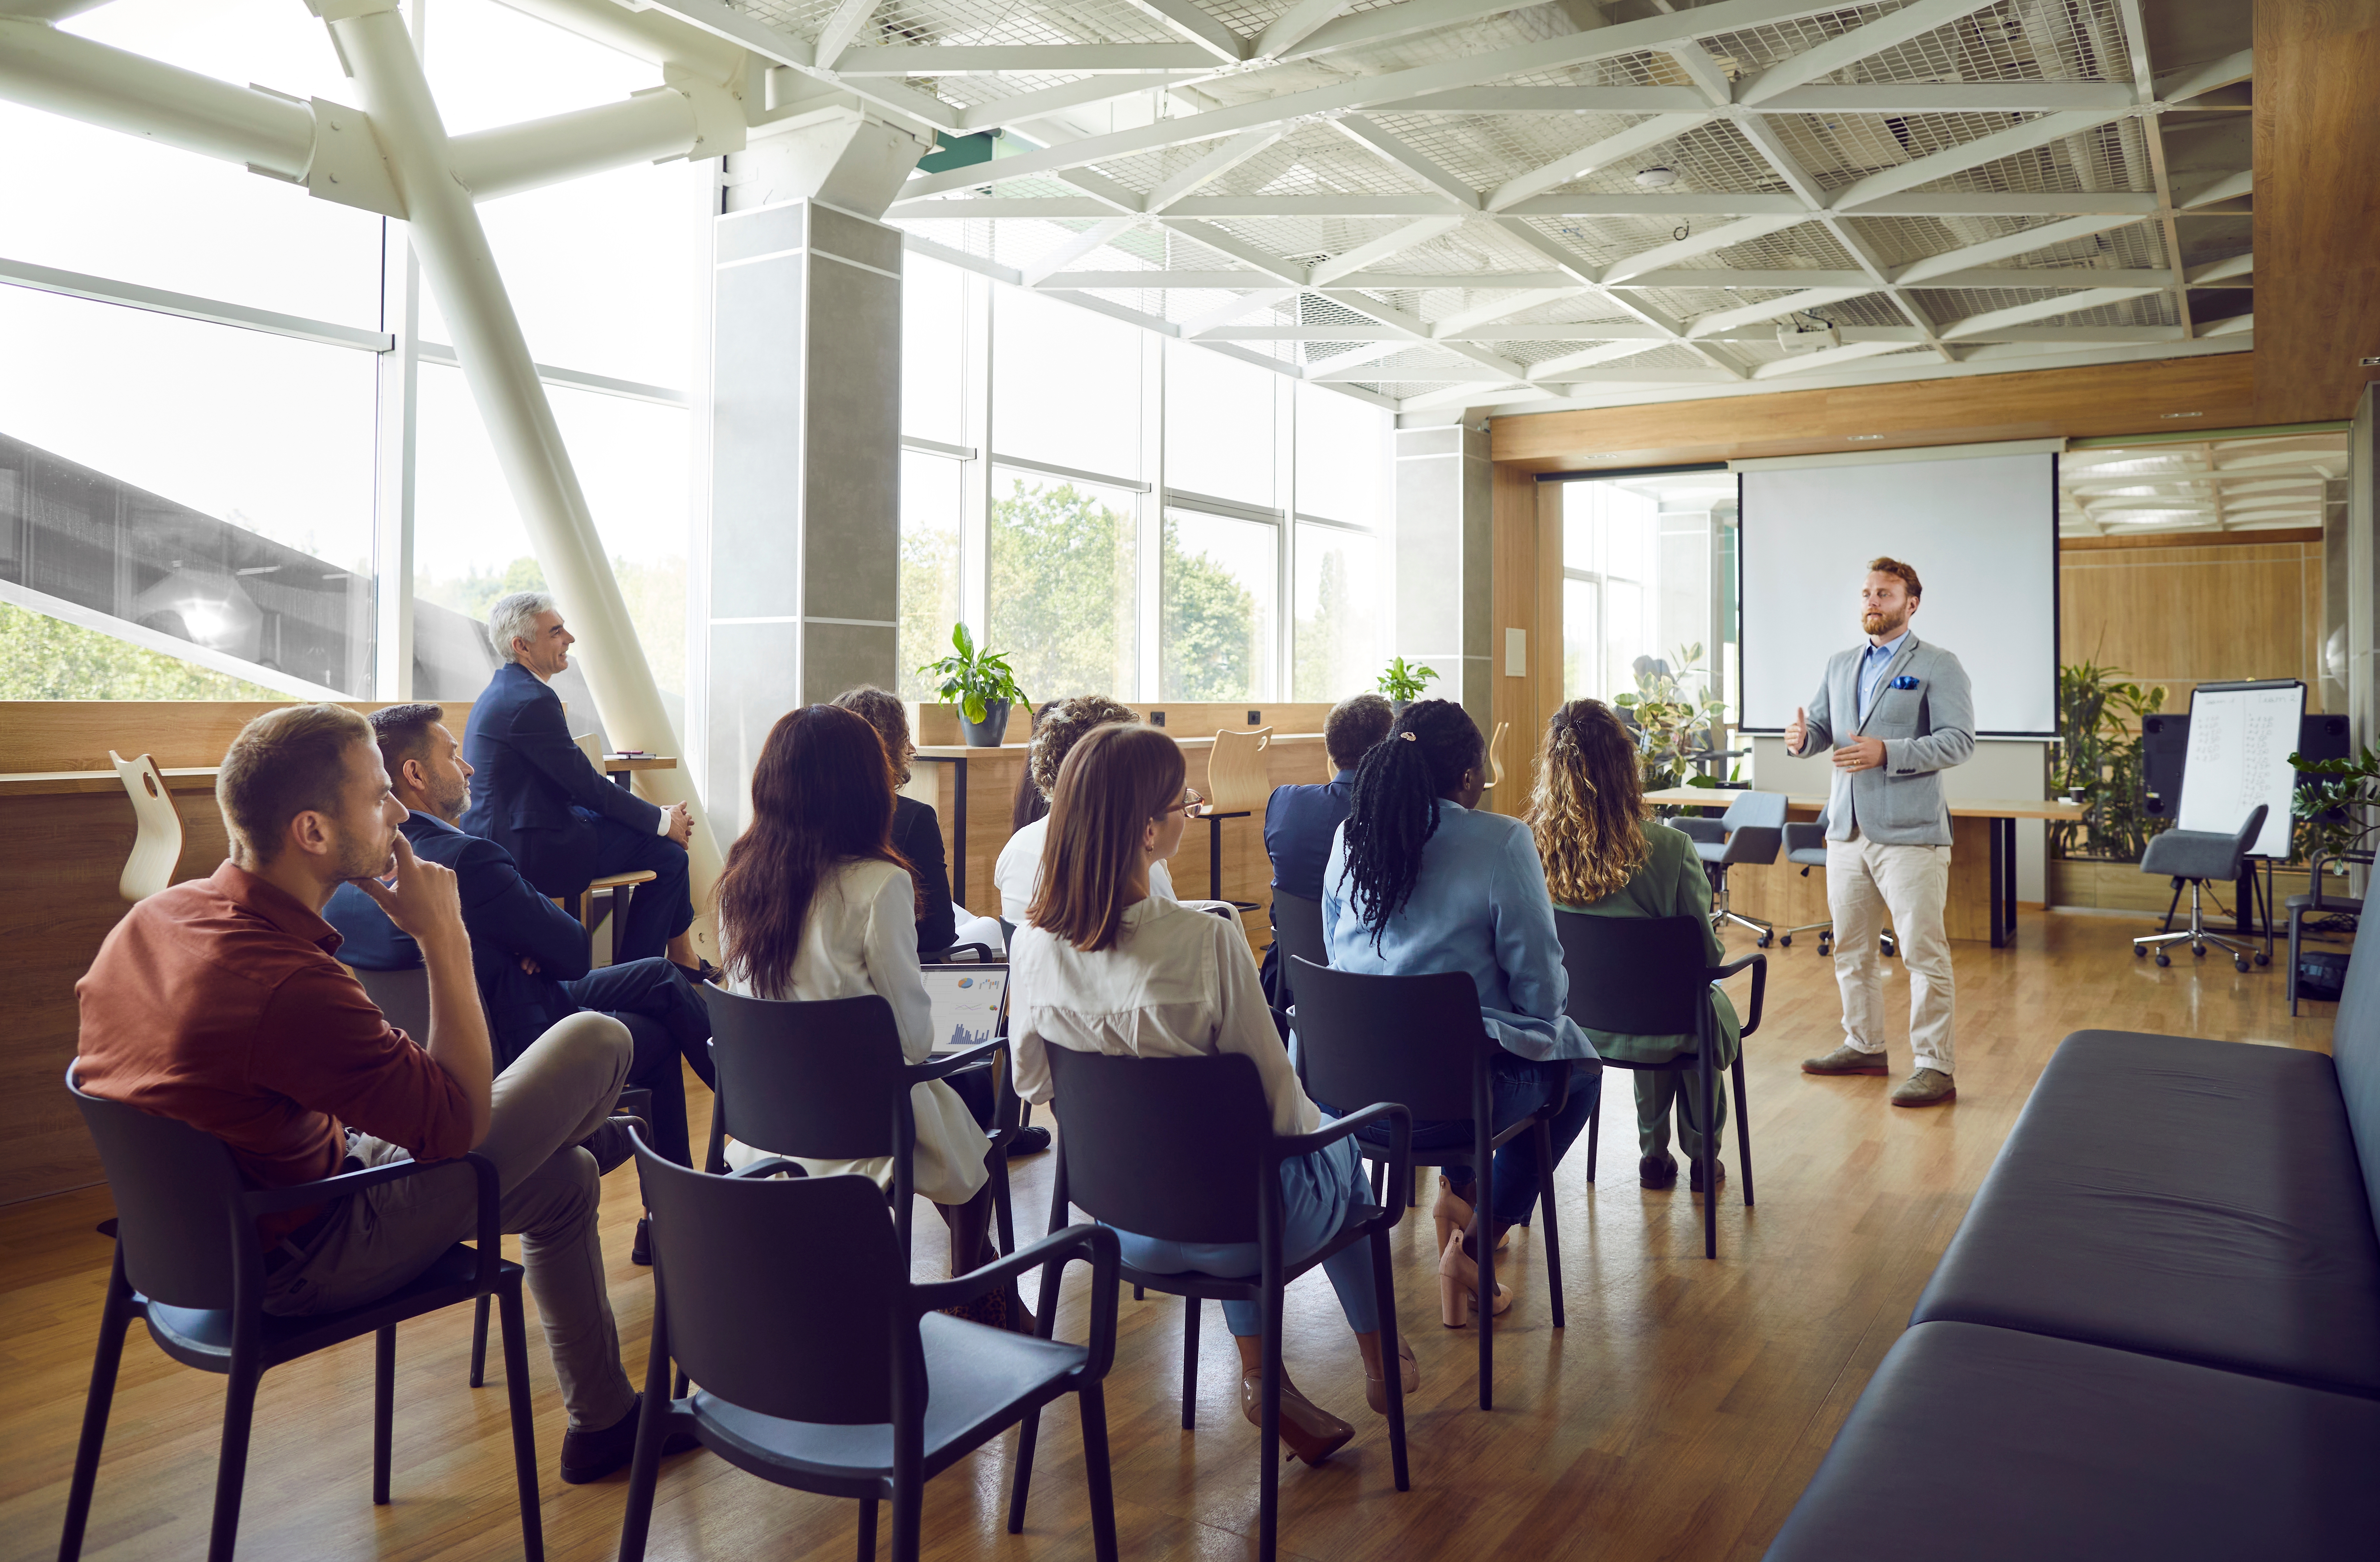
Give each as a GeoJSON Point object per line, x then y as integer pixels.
{"type": "Point", "coordinates": [1219, 584]}
{"type": "Point", "coordinates": [1342, 456]}
{"type": "Point", "coordinates": [1065, 386]}
{"type": "Point", "coordinates": [931, 498]}
{"type": "Point", "coordinates": [933, 351]}
{"type": "Point", "coordinates": [1607, 552]}
{"type": "Point", "coordinates": [1341, 599]}
{"type": "Point", "coordinates": [1221, 426]}
{"type": "Point", "coordinates": [1064, 561]}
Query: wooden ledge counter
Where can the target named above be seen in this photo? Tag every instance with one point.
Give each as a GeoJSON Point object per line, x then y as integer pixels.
{"type": "Point", "coordinates": [1981, 903]}
{"type": "Point", "coordinates": [202, 778]}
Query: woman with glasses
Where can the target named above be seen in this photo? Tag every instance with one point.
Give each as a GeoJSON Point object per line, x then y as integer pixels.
{"type": "Point", "coordinates": [1104, 965]}
{"type": "Point", "coordinates": [1062, 725]}
{"type": "Point", "coordinates": [1419, 881]}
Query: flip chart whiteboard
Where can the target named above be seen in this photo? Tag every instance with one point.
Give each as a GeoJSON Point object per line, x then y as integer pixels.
{"type": "Point", "coordinates": [2241, 738]}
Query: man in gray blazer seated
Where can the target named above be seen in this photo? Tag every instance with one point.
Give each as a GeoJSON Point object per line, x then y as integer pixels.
{"type": "Point", "coordinates": [1897, 713]}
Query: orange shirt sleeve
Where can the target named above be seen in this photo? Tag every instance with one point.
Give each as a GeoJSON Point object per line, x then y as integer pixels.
{"type": "Point", "coordinates": [325, 1046]}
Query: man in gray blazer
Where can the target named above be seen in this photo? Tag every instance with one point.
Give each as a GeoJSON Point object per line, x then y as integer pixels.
{"type": "Point", "coordinates": [1897, 712]}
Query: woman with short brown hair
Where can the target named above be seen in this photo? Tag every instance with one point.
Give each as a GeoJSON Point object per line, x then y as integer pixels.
{"type": "Point", "coordinates": [1105, 966]}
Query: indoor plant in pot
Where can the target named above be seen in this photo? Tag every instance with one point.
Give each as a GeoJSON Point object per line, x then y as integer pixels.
{"type": "Point", "coordinates": [1403, 685]}
{"type": "Point", "coordinates": [981, 685]}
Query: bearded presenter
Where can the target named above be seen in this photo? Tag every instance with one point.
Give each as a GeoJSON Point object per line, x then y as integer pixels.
{"type": "Point", "coordinates": [1897, 713]}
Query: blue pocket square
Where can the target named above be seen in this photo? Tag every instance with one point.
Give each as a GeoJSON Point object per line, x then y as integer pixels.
{"type": "Point", "coordinates": [1903, 681]}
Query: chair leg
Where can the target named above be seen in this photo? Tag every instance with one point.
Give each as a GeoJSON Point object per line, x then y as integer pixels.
{"type": "Point", "coordinates": [2290, 976]}
{"type": "Point", "coordinates": [524, 1419]}
{"type": "Point", "coordinates": [384, 1409]}
{"type": "Point", "coordinates": [1028, 1432]}
{"type": "Point", "coordinates": [1709, 1093]}
{"type": "Point", "coordinates": [1191, 1309]}
{"type": "Point", "coordinates": [1544, 1138]}
{"type": "Point", "coordinates": [645, 1463]}
{"type": "Point", "coordinates": [866, 1530]}
{"type": "Point", "coordinates": [1269, 1434]}
{"type": "Point", "coordinates": [715, 1159]}
{"type": "Point", "coordinates": [1384, 1289]}
{"type": "Point", "coordinates": [480, 1343]}
{"type": "Point", "coordinates": [1483, 1228]}
{"type": "Point", "coordinates": [908, 1515]}
{"type": "Point", "coordinates": [1594, 1136]}
{"type": "Point", "coordinates": [1094, 1407]}
{"type": "Point", "coordinates": [231, 1465]}
{"type": "Point", "coordinates": [1743, 1132]}
{"type": "Point", "coordinates": [1380, 1184]}
{"type": "Point", "coordinates": [113, 1319]}
{"type": "Point", "coordinates": [1003, 1211]}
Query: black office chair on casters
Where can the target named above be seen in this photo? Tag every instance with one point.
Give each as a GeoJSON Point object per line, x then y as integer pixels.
{"type": "Point", "coordinates": [2193, 857]}
{"type": "Point", "coordinates": [1806, 844]}
{"type": "Point", "coordinates": [1750, 831]}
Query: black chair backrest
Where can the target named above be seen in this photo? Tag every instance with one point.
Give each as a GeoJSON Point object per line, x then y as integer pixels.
{"type": "Point", "coordinates": [1410, 1039]}
{"type": "Point", "coordinates": [1173, 1148]}
{"type": "Point", "coordinates": [1297, 928]}
{"type": "Point", "coordinates": [1631, 976]}
{"type": "Point", "coordinates": [821, 1079]}
{"type": "Point", "coordinates": [403, 996]}
{"type": "Point", "coordinates": [177, 1202]}
{"type": "Point", "coordinates": [782, 1296]}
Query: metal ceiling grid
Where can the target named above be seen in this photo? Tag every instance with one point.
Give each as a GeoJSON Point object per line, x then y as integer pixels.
{"type": "Point", "coordinates": [1805, 247]}
{"type": "Point", "coordinates": [1485, 149]}
{"type": "Point", "coordinates": [1867, 309]}
{"type": "Point", "coordinates": [1305, 239]}
{"type": "Point", "coordinates": [1753, 49]}
{"type": "Point", "coordinates": [2017, 40]}
{"type": "Point", "coordinates": [1714, 156]}
{"type": "Point", "coordinates": [1686, 303]}
{"type": "Point", "coordinates": [1316, 160]}
{"type": "Point", "coordinates": [1949, 306]}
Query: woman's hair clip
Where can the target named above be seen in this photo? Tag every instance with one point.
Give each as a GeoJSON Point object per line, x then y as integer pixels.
{"type": "Point", "coordinates": [1408, 737]}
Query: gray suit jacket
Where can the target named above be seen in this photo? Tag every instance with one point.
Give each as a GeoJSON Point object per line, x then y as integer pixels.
{"type": "Point", "coordinates": [1925, 729]}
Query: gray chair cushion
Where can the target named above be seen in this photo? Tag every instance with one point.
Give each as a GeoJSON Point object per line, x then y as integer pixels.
{"type": "Point", "coordinates": [1983, 1444]}
{"type": "Point", "coordinates": [2186, 1198]}
{"type": "Point", "coordinates": [2191, 853]}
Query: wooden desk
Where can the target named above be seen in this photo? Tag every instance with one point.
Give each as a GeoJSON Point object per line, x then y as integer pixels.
{"type": "Point", "coordinates": [1982, 899]}
{"type": "Point", "coordinates": [202, 778]}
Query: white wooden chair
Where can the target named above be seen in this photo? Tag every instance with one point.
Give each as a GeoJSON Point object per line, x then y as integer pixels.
{"type": "Point", "coordinates": [158, 847]}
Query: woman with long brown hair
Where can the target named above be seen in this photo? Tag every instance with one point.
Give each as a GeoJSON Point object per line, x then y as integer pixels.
{"type": "Point", "coordinates": [1105, 966]}
{"type": "Point", "coordinates": [1605, 858]}
{"type": "Point", "coordinates": [814, 903]}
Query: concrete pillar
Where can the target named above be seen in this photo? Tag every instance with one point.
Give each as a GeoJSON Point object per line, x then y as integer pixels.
{"type": "Point", "coordinates": [1444, 545]}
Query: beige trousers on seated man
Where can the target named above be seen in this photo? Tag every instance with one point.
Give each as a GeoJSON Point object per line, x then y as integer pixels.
{"type": "Point", "coordinates": [1864, 881]}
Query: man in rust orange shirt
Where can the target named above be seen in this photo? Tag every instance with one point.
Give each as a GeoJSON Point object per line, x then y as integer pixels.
{"type": "Point", "coordinates": [221, 1002]}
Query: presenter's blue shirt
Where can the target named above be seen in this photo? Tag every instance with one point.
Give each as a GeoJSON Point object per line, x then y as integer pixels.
{"type": "Point", "coordinates": [1872, 667]}
{"type": "Point", "coordinates": [1479, 907]}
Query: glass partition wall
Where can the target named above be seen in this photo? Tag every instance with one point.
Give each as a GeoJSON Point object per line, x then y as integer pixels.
{"type": "Point", "coordinates": [1649, 584]}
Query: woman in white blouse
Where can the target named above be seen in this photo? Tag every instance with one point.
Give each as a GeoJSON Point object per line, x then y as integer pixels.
{"type": "Point", "coordinates": [1017, 873]}
{"type": "Point", "coordinates": [814, 903]}
{"type": "Point", "coordinates": [1105, 966]}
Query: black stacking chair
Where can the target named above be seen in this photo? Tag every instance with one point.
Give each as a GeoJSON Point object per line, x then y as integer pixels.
{"type": "Point", "coordinates": [1297, 928]}
{"type": "Point", "coordinates": [1181, 1149]}
{"type": "Point", "coordinates": [2193, 857]}
{"type": "Point", "coordinates": [1644, 976]}
{"type": "Point", "coordinates": [827, 1081]}
{"type": "Point", "coordinates": [823, 1368]}
{"type": "Point", "coordinates": [2316, 904]}
{"type": "Point", "coordinates": [1418, 1041]}
{"type": "Point", "coordinates": [188, 1264]}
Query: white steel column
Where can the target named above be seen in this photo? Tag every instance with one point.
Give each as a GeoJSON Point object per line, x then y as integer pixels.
{"type": "Point", "coordinates": [461, 268]}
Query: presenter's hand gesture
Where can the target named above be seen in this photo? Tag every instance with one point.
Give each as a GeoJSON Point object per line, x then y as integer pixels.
{"type": "Point", "coordinates": [1797, 730]}
{"type": "Point", "coordinates": [422, 898]}
{"type": "Point", "coordinates": [1861, 754]}
{"type": "Point", "coordinates": [680, 823]}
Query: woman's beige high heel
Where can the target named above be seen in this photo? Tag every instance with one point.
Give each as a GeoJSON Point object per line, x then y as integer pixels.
{"type": "Point", "coordinates": [1458, 1285]}
{"type": "Point", "coordinates": [1452, 1213]}
{"type": "Point", "coordinates": [1375, 1390]}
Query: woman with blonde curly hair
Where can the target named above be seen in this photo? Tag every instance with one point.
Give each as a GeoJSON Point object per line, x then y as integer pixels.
{"type": "Point", "coordinates": [1062, 724]}
{"type": "Point", "coordinates": [1605, 858]}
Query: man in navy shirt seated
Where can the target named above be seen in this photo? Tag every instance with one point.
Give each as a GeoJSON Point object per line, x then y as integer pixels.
{"type": "Point", "coordinates": [1300, 820]}
{"type": "Point", "coordinates": [564, 821]}
{"type": "Point", "coordinates": [528, 954]}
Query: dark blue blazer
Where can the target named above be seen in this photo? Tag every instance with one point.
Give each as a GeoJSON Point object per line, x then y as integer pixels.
{"type": "Point", "coordinates": [532, 790]}
{"type": "Point", "coordinates": [507, 917]}
{"type": "Point", "coordinates": [1299, 824]}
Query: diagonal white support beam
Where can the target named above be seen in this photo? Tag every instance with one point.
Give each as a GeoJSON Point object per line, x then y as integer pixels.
{"type": "Point", "coordinates": [840, 29]}
{"type": "Point", "coordinates": [1246, 304]}
{"type": "Point", "coordinates": [1472, 393]}
{"type": "Point", "coordinates": [2217, 271]}
{"type": "Point", "coordinates": [2041, 309]}
{"type": "Point", "coordinates": [1576, 268]}
{"type": "Point", "coordinates": [1701, 243]}
{"type": "Point", "coordinates": [1102, 189]}
{"type": "Point", "coordinates": [1610, 352]}
{"type": "Point", "coordinates": [1223, 242]}
{"type": "Point", "coordinates": [1097, 236]}
{"type": "Point", "coordinates": [2181, 86]}
{"type": "Point", "coordinates": [1023, 108]}
{"type": "Point", "coordinates": [1830, 357]}
{"type": "Point", "coordinates": [962, 59]}
{"type": "Point", "coordinates": [1628, 143]}
{"type": "Point", "coordinates": [1387, 315]}
{"type": "Point", "coordinates": [1748, 314]}
{"type": "Point", "coordinates": [1455, 324]}
{"type": "Point", "coordinates": [1195, 26]}
{"type": "Point", "coordinates": [1212, 166]}
{"type": "Point", "coordinates": [648, 128]}
{"type": "Point", "coordinates": [1380, 248]}
{"type": "Point", "coordinates": [2015, 244]}
{"type": "Point", "coordinates": [1363, 353]}
{"type": "Point", "coordinates": [1293, 27]}
{"type": "Point", "coordinates": [1370, 137]}
{"type": "Point", "coordinates": [1825, 59]}
{"type": "Point", "coordinates": [1392, 21]}
{"type": "Point", "coordinates": [2230, 187]}
{"type": "Point", "coordinates": [1972, 154]}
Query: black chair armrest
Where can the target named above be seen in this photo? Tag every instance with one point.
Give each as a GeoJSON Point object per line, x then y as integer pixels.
{"type": "Point", "coordinates": [1394, 1113]}
{"type": "Point", "coordinates": [1709, 831]}
{"type": "Point", "coordinates": [938, 1068]}
{"type": "Point", "coordinates": [1093, 1244]}
{"type": "Point", "coordinates": [1759, 965]}
{"type": "Point", "coordinates": [770, 1166]}
{"type": "Point", "coordinates": [1755, 843]}
{"type": "Point", "coordinates": [973, 953]}
{"type": "Point", "coordinates": [489, 1233]}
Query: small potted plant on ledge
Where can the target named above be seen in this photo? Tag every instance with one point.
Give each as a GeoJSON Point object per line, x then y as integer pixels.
{"type": "Point", "coordinates": [982, 686]}
{"type": "Point", "coordinates": [1403, 685]}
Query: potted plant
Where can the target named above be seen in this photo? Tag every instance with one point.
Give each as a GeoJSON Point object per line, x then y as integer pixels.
{"type": "Point", "coordinates": [2098, 763]}
{"type": "Point", "coordinates": [2335, 814]}
{"type": "Point", "coordinates": [1674, 723]}
{"type": "Point", "coordinates": [1403, 685]}
{"type": "Point", "coordinates": [981, 684]}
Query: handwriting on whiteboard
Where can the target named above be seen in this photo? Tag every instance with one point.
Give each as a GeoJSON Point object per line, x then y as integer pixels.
{"type": "Point", "coordinates": [2240, 746]}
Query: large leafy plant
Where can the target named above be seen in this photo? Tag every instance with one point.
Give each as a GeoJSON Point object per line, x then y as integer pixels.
{"type": "Point", "coordinates": [1401, 683]}
{"type": "Point", "coordinates": [973, 679]}
{"type": "Point", "coordinates": [2098, 763]}
{"type": "Point", "coordinates": [1676, 712]}
{"type": "Point", "coordinates": [2334, 815]}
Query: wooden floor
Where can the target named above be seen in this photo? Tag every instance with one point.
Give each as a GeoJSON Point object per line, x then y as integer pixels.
{"type": "Point", "coordinates": [1679, 1415]}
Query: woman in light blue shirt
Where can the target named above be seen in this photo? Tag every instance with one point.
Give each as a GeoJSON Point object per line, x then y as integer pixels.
{"type": "Point", "coordinates": [1420, 882]}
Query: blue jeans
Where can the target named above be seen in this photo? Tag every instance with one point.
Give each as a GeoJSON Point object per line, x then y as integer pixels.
{"type": "Point", "coordinates": [1317, 1191]}
{"type": "Point", "coordinates": [658, 912]}
{"type": "Point", "coordinates": [1517, 1086]}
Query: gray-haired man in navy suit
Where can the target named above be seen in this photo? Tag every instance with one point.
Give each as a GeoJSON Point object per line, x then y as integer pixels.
{"type": "Point", "coordinates": [1897, 713]}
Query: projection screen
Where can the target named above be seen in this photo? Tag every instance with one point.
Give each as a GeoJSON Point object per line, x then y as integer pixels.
{"type": "Point", "coordinates": [1982, 533]}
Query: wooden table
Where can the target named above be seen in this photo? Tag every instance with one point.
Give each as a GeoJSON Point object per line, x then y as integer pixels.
{"type": "Point", "coordinates": [1990, 822]}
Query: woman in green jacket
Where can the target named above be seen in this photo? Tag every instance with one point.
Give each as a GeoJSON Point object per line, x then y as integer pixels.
{"type": "Point", "coordinates": [1604, 857]}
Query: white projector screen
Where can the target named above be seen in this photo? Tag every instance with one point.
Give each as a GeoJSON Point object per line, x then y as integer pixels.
{"type": "Point", "coordinates": [1982, 533]}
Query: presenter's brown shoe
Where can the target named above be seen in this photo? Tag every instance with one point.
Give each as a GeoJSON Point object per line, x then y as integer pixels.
{"type": "Point", "coordinates": [1926, 1087]}
{"type": "Point", "coordinates": [1846, 1060]}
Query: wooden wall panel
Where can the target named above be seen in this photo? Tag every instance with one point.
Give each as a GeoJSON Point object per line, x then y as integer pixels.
{"type": "Point", "coordinates": [77, 734]}
{"type": "Point", "coordinates": [2183, 616]}
{"type": "Point", "coordinates": [1519, 567]}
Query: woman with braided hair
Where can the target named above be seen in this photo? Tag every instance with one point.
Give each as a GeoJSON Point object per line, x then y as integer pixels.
{"type": "Point", "coordinates": [1604, 857]}
{"type": "Point", "coordinates": [1420, 881]}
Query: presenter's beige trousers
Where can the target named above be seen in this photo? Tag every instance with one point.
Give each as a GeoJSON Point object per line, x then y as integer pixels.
{"type": "Point", "coordinates": [1864, 881]}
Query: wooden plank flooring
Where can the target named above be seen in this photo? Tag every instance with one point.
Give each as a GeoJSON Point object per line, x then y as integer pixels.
{"type": "Point", "coordinates": [1679, 1415]}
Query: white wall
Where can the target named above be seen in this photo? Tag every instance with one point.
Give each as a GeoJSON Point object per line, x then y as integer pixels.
{"type": "Point", "coordinates": [2001, 767]}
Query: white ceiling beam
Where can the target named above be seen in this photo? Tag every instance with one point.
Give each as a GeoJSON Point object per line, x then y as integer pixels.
{"type": "Point", "coordinates": [1475, 394]}
{"type": "Point", "coordinates": [1096, 236]}
{"type": "Point", "coordinates": [1972, 154]}
{"type": "Point", "coordinates": [2238, 325]}
{"type": "Point", "coordinates": [1365, 92]}
{"type": "Point", "coordinates": [1175, 282]}
{"type": "Point", "coordinates": [1389, 315]}
{"type": "Point", "coordinates": [1303, 333]}
{"type": "Point", "coordinates": [1747, 314]}
{"type": "Point", "coordinates": [1348, 261]}
{"type": "Point", "coordinates": [2076, 277]}
{"type": "Point", "coordinates": [1073, 59]}
{"type": "Point", "coordinates": [1042, 208]}
{"type": "Point", "coordinates": [1610, 352]}
{"type": "Point", "coordinates": [2007, 247]}
{"type": "Point", "coordinates": [1950, 97]}
{"type": "Point", "coordinates": [1293, 26]}
{"type": "Point", "coordinates": [1451, 327]}
{"type": "Point", "coordinates": [1448, 373]}
{"type": "Point", "coordinates": [2100, 335]}
{"type": "Point", "coordinates": [2041, 309]}
{"type": "Point", "coordinates": [840, 29]}
{"type": "Point", "coordinates": [1703, 71]}
{"type": "Point", "coordinates": [1662, 255]}
{"type": "Point", "coordinates": [1826, 359]}
{"type": "Point", "coordinates": [1195, 26]}
{"type": "Point", "coordinates": [1025, 108]}
{"type": "Point", "coordinates": [1212, 166]}
{"type": "Point", "coordinates": [1688, 276]}
{"type": "Point", "coordinates": [1992, 203]}
{"type": "Point", "coordinates": [1576, 267]}
{"type": "Point", "coordinates": [1696, 204]}
{"type": "Point", "coordinates": [1551, 99]}
{"type": "Point", "coordinates": [2150, 134]}
{"type": "Point", "coordinates": [1637, 139]}
{"type": "Point", "coordinates": [2181, 86]}
{"type": "Point", "coordinates": [1422, 281]}
{"type": "Point", "coordinates": [1407, 160]}
{"type": "Point", "coordinates": [2232, 187]}
{"type": "Point", "coordinates": [2219, 271]}
{"type": "Point", "coordinates": [1267, 266]}
{"type": "Point", "coordinates": [1392, 21]}
{"type": "Point", "coordinates": [1848, 48]}
{"type": "Point", "coordinates": [1100, 188]}
{"type": "Point", "coordinates": [1246, 304]}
